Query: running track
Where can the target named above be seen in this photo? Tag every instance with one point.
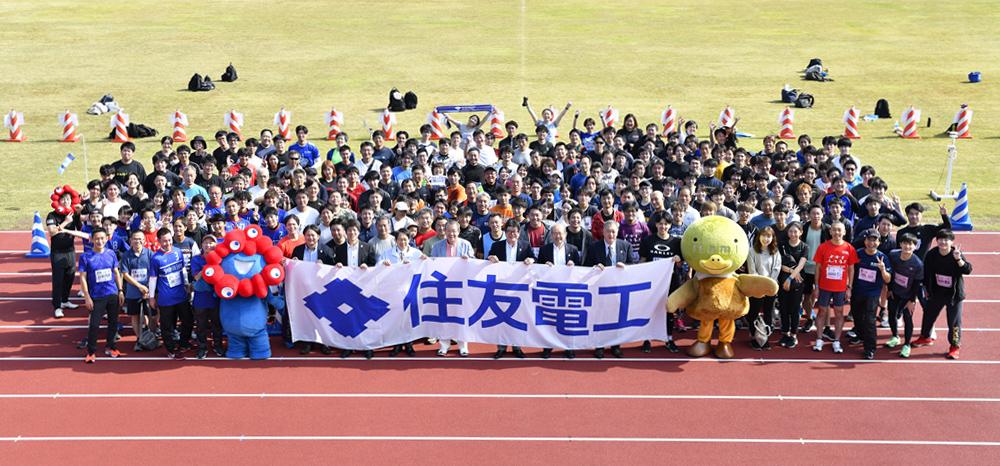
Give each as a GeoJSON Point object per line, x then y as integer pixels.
{"type": "Point", "coordinates": [781, 406]}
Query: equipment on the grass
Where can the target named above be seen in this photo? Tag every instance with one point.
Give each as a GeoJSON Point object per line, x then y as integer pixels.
{"type": "Point", "coordinates": [13, 121]}
{"type": "Point", "coordinates": [396, 103]}
{"type": "Point", "coordinates": [851, 117]}
{"type": "Point", "coordinates": [609, 116]}
{"type": "Point", "coordinates": [496, 120]}
{"type": "Point", "coordinates": [198, 83]}
{"type": "Point", "coordinates": [975, 77]}
{"type": "Point", "coordinates": [788, 95]}
{"type": "Point", "coordinates": [669, 121]}
{"type": "Point", "coordinates": [960, 219]}
{"type": "Point", "coordinates": [180, 122]}
{"type": "Point", "coordinates": [437, 122]}
{"type": "Point", "coordinates": [333, 120]}
{"type": "Point", "coordinates": [388, 125]}
{"type": "Point", "coordinates": [69, 123]}
{"type": "Point", "coordinates": [952, 156]}
{"type": "Point", "coordinates": [882, 109]}
{"type": "Point", "coordinates": [119, 123]}
{"type": "Point", "coordinates": [727, 117]}
{"type": "Point", "coordinates": [283, 119]}
{"type": "Point", "coordinates": [234, 121]}
{"type": "Point", "coordinates": [39, 242]}
{"type": "Point", "coordinates": [911, 118]}
{"type": "Point", "coordinates": [230, 74]}
{"type": "Point", "coordinates": [962, 125]}
{"type": "Point", "coordinates": [410, 100]}
{"type": "Point", "coordinates": [786, 119]}
{"type": "Point", "coordinates": [804, 100]}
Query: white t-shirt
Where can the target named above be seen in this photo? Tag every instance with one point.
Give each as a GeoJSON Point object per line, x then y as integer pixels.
{"type": "Point", "coordinates": [307, 216]}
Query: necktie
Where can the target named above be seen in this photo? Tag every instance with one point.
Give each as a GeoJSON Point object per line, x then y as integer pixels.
{"type": "Point", "coordinates": [611, 256]}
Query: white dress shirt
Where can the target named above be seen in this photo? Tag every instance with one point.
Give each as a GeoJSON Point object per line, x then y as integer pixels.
{"type": "Point", "coordinates": [352, 255]}
{"type": "Point", "coordinates": [559, 254]}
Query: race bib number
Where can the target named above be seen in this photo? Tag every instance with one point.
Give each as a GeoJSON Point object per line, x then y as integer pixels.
{"type": "Point", "coordinates": [140, 275]}
{"type": "Point", "coordinates": [835, 272]}
{"type": "Point", "coordinates": [866, 275]}
{"type": "Point", "coordinates": [102, 275]}
{"type": "Point", "coordinates": [902, 280]}
{"type": "Point", "coordinates": [943, 280]}
{"type": "Point", "coordinates": [174, 279]}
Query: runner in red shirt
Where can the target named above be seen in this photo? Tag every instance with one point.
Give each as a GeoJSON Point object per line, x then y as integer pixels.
{"type": "Point", "coordinates": [835, 261]}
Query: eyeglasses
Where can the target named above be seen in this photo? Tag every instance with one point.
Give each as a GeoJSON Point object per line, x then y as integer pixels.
{"type": "Point", "coordinates": [294, 160]}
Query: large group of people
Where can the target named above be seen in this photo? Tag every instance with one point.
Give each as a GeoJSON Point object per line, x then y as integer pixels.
{"type": "Point", "coordinates": [820, 223]}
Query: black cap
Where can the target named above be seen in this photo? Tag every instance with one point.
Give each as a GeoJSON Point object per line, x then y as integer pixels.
{"type": "Point", "coordinates": [870, 233]}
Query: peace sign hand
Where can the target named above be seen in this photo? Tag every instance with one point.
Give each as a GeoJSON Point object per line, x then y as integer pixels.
{"type": "Point", "coordinates": [880, 263]}
{"type": "Point", "coordinates": [956, 252]}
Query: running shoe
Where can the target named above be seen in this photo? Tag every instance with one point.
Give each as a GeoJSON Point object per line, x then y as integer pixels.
{"type": "Point", "coordinates": [69, 305]}
{"type": "Point", "coordinates": [852, 334]}
{"type": "Point", "coordinates": [893, 342]}
{"type": "Point", "coordinates": [58, 313]}
{"type": "Point", "coordinates": [90, 358]}
{"type": "Point", "coordinates": [793, 341]}
{"type": "Point", "coordinates": [953, 352]}
{"type": "Point", "coordinates": [202, 353]}
{"type": "Point", "coordinates": [905, 352]}
{"type": "Point", "coordinates": [869, 355]}
{"type": "Point", "coordinates": [808, 326]}
{"type": "Point", "coordinates": [923, 341]}
{"type": "Point", "coordinates": [647, 346]}
{"type": "Point", "coordinates": [828, 334]}
{"type": "Point", "coordinates": [113, 352]}
{"type": "Point", "coordinates": [672, 347]}
{"type": "Point", "coordinates": [818, 346]}
{"type": "Point", "coordinates": [885, 322]}
{"type": "Point", "coordinates": [837, 348]}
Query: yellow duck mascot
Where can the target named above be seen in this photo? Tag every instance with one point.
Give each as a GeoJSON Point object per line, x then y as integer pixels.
{"type": "Point", "coordinates": [715, 247]}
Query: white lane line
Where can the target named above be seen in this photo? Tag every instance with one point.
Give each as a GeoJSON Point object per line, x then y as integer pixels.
{"type": "Point", "coordinates": [25, 274]}
{"type": "Point", "coordinates": [442, 438]}
{"type": "Point", "coordinates": [566, 396]}
{"type": "Point", "coordinates": [457, 360]}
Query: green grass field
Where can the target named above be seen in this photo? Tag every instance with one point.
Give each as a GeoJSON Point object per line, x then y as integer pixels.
{"type": "Point", "coordinates": [638, 55]}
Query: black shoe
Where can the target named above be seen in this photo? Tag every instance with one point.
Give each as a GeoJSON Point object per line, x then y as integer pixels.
{"type": "Point", "coordinates": [202, 352]}
{"type": "Point", "coordinates": [325, 350]}
{"type": "Point", "coordinates": [82, 344]}
{"type": "Point", "coordinates": [766, 346]}
{"type": "Point", "coordinates": [570, 354]}
{"type": "Point", "coordinates": [854, 341]}
{"type": "Point", "coordinates": [828, 334]}
{"type": "Point", "coordinates": [409, 350]}
{"type": "Point", "coordinates": [499, 353]}
{"type": "Point", "coordinates": [647, 346]}
{"type": "Point", "coordinates": [672, 347]}
{"type": "Point", "coordinates": [851, 334]}
{"type": "Point", "coordinates": [395, 350]}
{"type": "Point", "coordinates": [184, 346]}
{"type": "Point", "coordinates": [807, 326]}
{"type": "Point", "coordinates": [599, 353]}
{"type": "Point", "coordinates": [869, 355]}
{"type": "Point", "coordinates": [369, 354]}
{"type": "Point", "coordinates": [219, 351]}
{"type": "Point", "coordinates": [546, 353]}
{"type": "Point", "coordinates": [793, 341]}
{"type": "Point", "coordinates": [617, 351]}
{"type": "Point", "coordinates": [518, 352]}
{"type": "Point", "coordinates": [755, 345]}
{"type": "Point", "coordinates": [306, 348]}
{"type": "Point", "coordinates": [346, 353]}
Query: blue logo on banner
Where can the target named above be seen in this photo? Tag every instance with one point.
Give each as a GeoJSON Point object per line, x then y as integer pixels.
{"type": "Point", "coordinates": [347, 309]}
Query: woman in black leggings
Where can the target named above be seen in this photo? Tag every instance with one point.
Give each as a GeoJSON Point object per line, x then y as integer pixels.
{"type": "Point", "coordinates": [793, 260]}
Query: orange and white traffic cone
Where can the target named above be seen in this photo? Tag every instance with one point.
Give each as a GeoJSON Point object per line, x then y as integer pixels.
{"type": "Point", "coordinates": [911, 119]}
{"type": "Point", "coordinates": [13, 121]}
{"type": "Point", "coordinates": [119, 122]}
{"type": "Point", "coordinates": [496, 122]}
{"type": "Point", "coordinates": [234, 121]}
{"type": "Point", "coordinates": [963, 122]}
{"type": "Point", "coordinates": [69, 123]}
{"type": "Point", "coordinates": [727, 117]}
{"type": "Point", "coordinates": [851, 117]}
{"type": "Point", "coordinates": [437, 123]}
{"type": "Point", "coordinates": [284, 121]}
{"type": "Point", "coordinates": [669, 120]}
{"type": "Point", "coordinates": [333, 120]}
{"type": "Point", "coordinates": [786, 119]}
{"type": "Point", "coordinates": [180, 123]}
{"type": "Point", "coordinates": [609, 116]}
{"type": "Point", "coordinates": [388, 125]}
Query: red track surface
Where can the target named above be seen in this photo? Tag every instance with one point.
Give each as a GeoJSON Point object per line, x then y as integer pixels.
{"type": "Point", "coordinates": [919, 410]}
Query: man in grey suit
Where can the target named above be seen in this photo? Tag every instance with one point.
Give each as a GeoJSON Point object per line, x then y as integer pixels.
{"type": "Point", "coordinates": [453, 246]}
{"type": "Point", "coordinates": [608, 251]}
{"type": "Point", "coordinates": [512, 250]}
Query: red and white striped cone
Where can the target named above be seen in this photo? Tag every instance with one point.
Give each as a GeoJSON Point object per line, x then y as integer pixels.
{"type": "Point", "coordinates": [497, 122]}
{"type": "Point", "coordinates": [119, 122]}
{"type": "Point", "coordinates": [437, 123]}
{"type": "Point", "coordinates": [234, 122]}
{"type": "Point", "coordinates": [911, 119]}
{"type": "Point", "coordinates": [13, 122]}
{"type": "Point", "coordinates": [727, 117]}
{"type": "Point", "coordinates": [69, 123]}
{"type": "Point", "coordinates": [851, 117]}
{"type": "Point", "coordinates": [669, 120]}
{"type": "Point", "coordinates": [180, 123]}
{"type": "Point", "coordinates": [963, 122]}
{"type": "Point", "coordinates": [609, 116]}
{"type": "Point", "coordinates": [388, 125]}
{"type": "Point", "coordinates": [284, 121]}
{"type": "Point", "coordinates": [333, 120]}
{"type": "Point", "coordinates": [786, 119]}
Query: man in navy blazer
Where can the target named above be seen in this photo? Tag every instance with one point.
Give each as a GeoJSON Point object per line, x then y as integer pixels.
{"type": "Point", "coordinates": [559, 253]}
{"type": "Point", "coordinates": [608, 251]}
{"type": "Point", "coordinates": [511, 250]}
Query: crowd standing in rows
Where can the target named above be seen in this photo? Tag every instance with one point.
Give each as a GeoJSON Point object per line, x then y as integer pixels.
{"type": "Point", "coordinates": [820, 223]}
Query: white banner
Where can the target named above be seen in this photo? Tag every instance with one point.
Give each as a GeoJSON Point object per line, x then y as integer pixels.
{"type": "Point", "coordinates": [476, 301]}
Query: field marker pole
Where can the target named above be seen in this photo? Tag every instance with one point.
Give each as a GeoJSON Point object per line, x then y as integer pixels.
{"type": "Point", "coordinates": [952, 155]}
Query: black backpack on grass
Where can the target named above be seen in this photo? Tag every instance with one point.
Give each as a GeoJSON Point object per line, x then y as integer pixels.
{"type": "Point", "coordinates": [197, 83]}
{"type": "Point", "coordinates": [230, 74]}
{"type": "Point", "coordinates": [804, 100]}
{"type": "Point", "coordinates": [410, 100]}
{"type": "Point", "coordinates": [882, 109]}
{"type": "Point", "coordinates": [396, 101]}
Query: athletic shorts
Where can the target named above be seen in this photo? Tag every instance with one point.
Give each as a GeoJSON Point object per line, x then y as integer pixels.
{"type": "Point", "coordinates": [134, 306]}
{"type": "Point", "coordinates": [828, 298]}
{"type": "Point", "coordinates": [808, 282]}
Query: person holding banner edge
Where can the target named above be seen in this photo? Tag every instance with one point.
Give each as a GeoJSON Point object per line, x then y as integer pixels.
{"type": "Point", "coordinates": [606, 252]}
{"type": "Point", "coordinates": [510, 251]}
{"type": "Point", "coordinates": [453, 246]}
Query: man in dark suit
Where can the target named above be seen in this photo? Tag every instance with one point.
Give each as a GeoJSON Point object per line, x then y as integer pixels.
{"type": "Point", "coordinates": [559, 253]}
{"type": "Point", "coordinates": [511, 250]}
{"type": "Point", "coordinates": [313, 251]}
{"type": "Point", "coordinates": [354, 253]}
{"type": "Point", "coordinates": [606, 252]}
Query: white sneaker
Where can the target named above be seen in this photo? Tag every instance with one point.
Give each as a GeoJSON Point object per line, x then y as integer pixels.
{"type": "Point", "coordinates": [445, 346]}
{"type": "Point", "coordinates": [819, 345]}
{"type": "Point", "coordinates": [837, 348]}
{"type": "Point", "coordinates": [79, 294]}
{"type": "Point", "coordinates": [69, 305]}
{"type": "Point", "coordinates": [59, 313]}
